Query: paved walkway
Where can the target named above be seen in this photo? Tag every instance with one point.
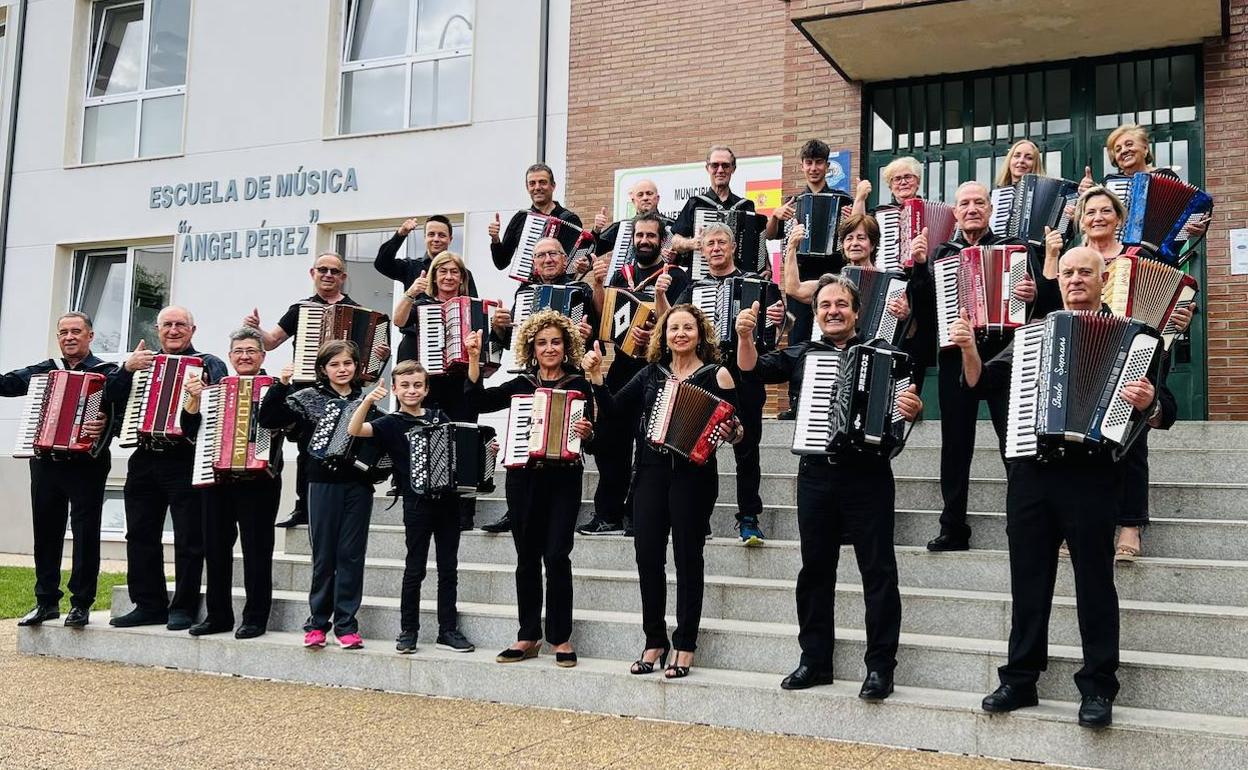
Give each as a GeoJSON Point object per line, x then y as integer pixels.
{"type": "Point", "coordinates": [78, 714]}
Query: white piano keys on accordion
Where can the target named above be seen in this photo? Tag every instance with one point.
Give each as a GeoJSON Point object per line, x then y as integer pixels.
{"type": "Point", "coordinates": [945, 276]}
{"type": "Point", "coordinates": [705, 298]}
{"type": "Point", "coordinates": [701, 219]}
{"type": "Point", "coordinates": [521, 267]}
{"type": "Point", "coordinates": [208, 442]}
{"type": "Point", "coordinates": [307, 338]}
{"type": "Point", "coordinates": [516, 449]}
{"type": "Point", "coordinates": [887, 329]}
{"type": "Point", "coordinates": [524, 307]}
{"type": "Point", "coordinates": [32, 413]}
{"type": "Point", "coordinates": [821, 373]}
{"type": "Point", "coordinates": [1120, 185]}
{"type": "Point", "coordinates": [620, 252]}
{"type": "Point", "coordinates": [1024, 401]}
{"type": "Point", "coordinates": [1002, 200]}
{"type": "Point", "coordinates": [132, 420]}
{"type": "Point", "coordinates": [888, 254]}
{"type": "Point", "coordinates": [431, 338]}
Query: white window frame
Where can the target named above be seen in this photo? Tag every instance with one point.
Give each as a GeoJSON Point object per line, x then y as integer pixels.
{"type": "Point", "coordinates": [78, 285]}
{"type": "Point", "coordinates": [139, 95]}
{"type": "Point", "coordinates": [407, 60]}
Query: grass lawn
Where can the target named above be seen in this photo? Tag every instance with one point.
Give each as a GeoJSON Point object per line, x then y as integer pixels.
{"type": "Point", "coordinates": [17, 590]}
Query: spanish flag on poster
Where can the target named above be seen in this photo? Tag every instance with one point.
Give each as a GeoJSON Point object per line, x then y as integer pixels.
{"type": "Point", "coordinates": [765, 193]}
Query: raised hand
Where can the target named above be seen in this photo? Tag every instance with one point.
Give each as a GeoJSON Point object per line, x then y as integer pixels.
{"type": "Point", "coordinates": [960, 331]}
{"type": "Point", "coordinates": [918, 247]}
{"type": "Point", "coordinates": [252, 319]}
{"type": "Point", "coordinates": [1087, 181]}
{"type": "Point", "coordinates": [1053, 243]}
{"type": "Point", "coordinates": [495, 228]}
{"type": "Point", "coordinates": [598, 275]}
{"type": "Point", "coordinates": [377, 393]}
{"type": "Point", "coordinates": [747, 320]}
{"type": "Point", "coordinates": [591, 363]}
{"type": "Point", "coordinates": [585, 330]}
{"type": "Point", "coordinates": [502, 319]}
{"type": "Point", "coordinates": [288, 373]}
{"type": "Point", "coordinates": [408, 226]}
{"type": "Point", "coordinates": [420, 285]}
{"type": "Point", "coordinates": [140, 359]}
{"type": "Point", "coordinates": [662, 283]}
{"type": "Point", "coordinates": [863, 190]}
{"type": "Point", "coordinates": [601, 220]}
{"type": "Point", "coordinates": [472, 344]}
{"type": "Point", "coordinates": [786, 212]}
{"type": "Point", "coordinates": [194, 387]}
{"type": "Point", "coordinates": [797, 234]}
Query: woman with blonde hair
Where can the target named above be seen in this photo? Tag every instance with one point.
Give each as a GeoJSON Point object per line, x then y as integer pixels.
{"type": "Point", "coordinates": [544, 497]}
{"type": "Point", "coordinates": [670, 493]}
{"type": "Point", "coordinates": [1023, 157]}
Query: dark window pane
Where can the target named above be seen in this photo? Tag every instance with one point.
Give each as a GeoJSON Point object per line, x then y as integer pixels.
{"type": "Point", "coordinates": [1163, 88]}
{"type": "Point", "coordinates": [1057, 101]}
{"type": "Point", "coordinates": [1035, 104]}
{"type": "Point", "coordinates": [883, 120]}
{"type": "Point", "coordinates": [982, 110]}
{"type": "Point", "coordinates": [902, 127]}
{"type": "Point", "coordinates": [953, 112]}
{"type": "Point", "coordinates": [1183, 86]}
{"type": "Point", "coordinates": [935, 114]}
{"type": "Point", "coordinates": [1018, 106]}
{"type": "Point", "coordinates": [1001, 106]}
{"type": "Point", "coordinates": [1106, 96]}
{"type": "Point", "coordinates": [1144, 92]}
{"type": "Point", "coordinates": [1126, 93]}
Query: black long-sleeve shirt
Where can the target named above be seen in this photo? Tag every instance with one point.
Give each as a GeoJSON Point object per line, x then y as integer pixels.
{"type": "Point", "coordinates": [299, 411]}
{"type": "Point", "coordinates": [117, 389]}
{"type": "Point", "coordinates": [17, 383]}
{"type": "Point", "coordinates": [405, 271]}
{"type": "Point", "coordinates": [502, 251]}
{"type": "Point", "coordinates": [498, 397]}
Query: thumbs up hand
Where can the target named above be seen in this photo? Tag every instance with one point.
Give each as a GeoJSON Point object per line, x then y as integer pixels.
{"type": "Point", "coordinates": [747, 320]}
{"type": "Point", "coordinates": [1087, 181]}
{"type": "Point", "coordinates": [420, 285]}
{"type": "Point", "coordinates": [252, 319]}
{"type": "Point", "coordinates": [960, 332]}
{"type": "Point", "coordinates": [601, 220]}
{"type": "Point", "coordinates": [140, 359]}
{"type": "Point", "coordinates": [591, 363]}
{"type": "Point", "coordinates": [495, 228]}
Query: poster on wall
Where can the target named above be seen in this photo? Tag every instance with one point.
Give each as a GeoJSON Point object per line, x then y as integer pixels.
{"type": "Point", "coordinates": [839, 164]}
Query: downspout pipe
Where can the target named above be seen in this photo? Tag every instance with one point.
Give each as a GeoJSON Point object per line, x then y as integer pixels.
{"type": "Point", "coordinates": [543, 65]}
{"type": "Point", "coordinates": [11, 143]}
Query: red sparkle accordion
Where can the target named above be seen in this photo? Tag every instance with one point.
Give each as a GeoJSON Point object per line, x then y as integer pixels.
{"type": "Point", "coordinates": [1148, 291]}
{"type": "Point", "coordinates": [539, 427]}
{"type": "Point", "coordinates": [156, 398]}
{"type": "Point", "coordinates": [689, 421]}
{"type": "Point", "coordinates": [319, 324]}
{"type": "Point", "coordinates": [231, 444]}
{"type": "Point", "coordinates": [57, 406]}
{"type": "Point", "coordinates": [980, 280]}
{"type": "Point", "coordinates": [901, 224]}
{"type": "Point", "coordinates": [443, 329]}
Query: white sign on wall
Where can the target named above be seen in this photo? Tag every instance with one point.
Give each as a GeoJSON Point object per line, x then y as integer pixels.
{"type": "Point", "coordinates": [758, 179]}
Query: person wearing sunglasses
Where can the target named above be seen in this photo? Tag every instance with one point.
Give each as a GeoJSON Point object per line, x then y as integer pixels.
{"type": "Point", "coordinates": [721, 162]}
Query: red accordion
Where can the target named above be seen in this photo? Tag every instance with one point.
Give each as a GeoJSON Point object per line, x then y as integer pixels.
{"type": "Point", "coordinates": [319, 324]}
{"type": "Point", "coordinates": [156, 397]}
{"type": "Point", "coordinates": [980, 280]}
{"type": "Point", "coordinates": [231, 443]}
{"type": "Point", "coordinates": [58, 404]}
{"type": "Point", "coordinates": [901, 224]}
{"type": "Point", "coordinates": [689, 421]}
{"type": "Point", "coordinates": [463, 316]}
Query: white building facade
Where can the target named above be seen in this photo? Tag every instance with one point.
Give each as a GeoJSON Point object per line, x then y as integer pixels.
{"type": "Point", "coordinates": [202, 152]}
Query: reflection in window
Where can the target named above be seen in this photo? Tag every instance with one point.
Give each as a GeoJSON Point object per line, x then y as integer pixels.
{"type": "Point", "coordinates": [122, 290]}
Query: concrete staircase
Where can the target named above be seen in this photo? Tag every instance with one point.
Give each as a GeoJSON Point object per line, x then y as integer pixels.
{"type": "Point", "coordinates": [1184, 698]}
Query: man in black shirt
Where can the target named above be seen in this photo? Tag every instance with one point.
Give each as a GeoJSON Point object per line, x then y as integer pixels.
{"type": "Point", "coordinates": [437, 240]}
{"type": "Point", "coordinates": [72, 488]}
{"type": "Point", "coordinates": [329, 277]}
{"type": "Point", "coordinates": [539, 180]}
{"type": "Point", "coordinates": [644, 195]}
{"type": "Point", "coordinates": [721, 162]}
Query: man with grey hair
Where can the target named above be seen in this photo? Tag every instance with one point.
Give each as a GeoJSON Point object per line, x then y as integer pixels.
{"type": "Point", "coordinates": [237, 509]}
{"type": "Point", "coordinates": [158, 480]}
{"type": "Point", "coordinates": [70, 487]}
{"type": "Point", "coordinates": [721, 163]}
{"type": "Point", "coordinates": [539, 181]}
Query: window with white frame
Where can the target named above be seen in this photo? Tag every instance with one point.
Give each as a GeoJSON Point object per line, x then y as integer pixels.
{"type": "Point", "coordinates": [136, 79]}
{"type": "Point", "coordinates": [122, 289]}
{"type": "Point", "coordinates": [405, 64]}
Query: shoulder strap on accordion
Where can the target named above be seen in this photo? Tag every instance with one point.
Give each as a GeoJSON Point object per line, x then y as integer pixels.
{"type": "Point", "coordinates": [714, 203]}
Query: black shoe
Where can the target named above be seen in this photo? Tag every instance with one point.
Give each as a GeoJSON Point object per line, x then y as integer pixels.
{"type": "Point", "coordinates": [788, 415]}
{"type": "Point", "coordinates": [140, 617]}
{"type": "Point", "coordinates": [297, 518]}
{"type": "Point", "coordinates": [628, 527]}
{"type": "Point", "coordinates": [454, 641]}
{"type": "Point", "coordinates": [804, 676]}
{"type": "Point", "coordinates": [502, 525]}
{"type": "Point", "coordinates": [77, 617]}
{"type": "Point", "coordinates": [208, 627]}
{"type": "Point", "coordinates": [1096, 711]}
{"type": "Point", "coordinates": [40, 613]}
{"type": "Point", "coordinates": [942, 543]}
{"type": "Point", "coordinates": [877, 686]}
{"type": "Point", "coordinates": [600, 526]}
{"type": "Point", "coordinates": [1008, 697]}
{"type": "Point", "coordinates": [565, 659]}
{"type": "Point", "coordinates": [406, 643]}
{"type": "Point", "coordinates": [179, 620]}
{"type": "Point", "coordinates": [249, 631]}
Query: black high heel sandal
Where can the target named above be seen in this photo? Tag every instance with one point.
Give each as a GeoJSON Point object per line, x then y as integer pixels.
{"type": "Point", "coordinates": [675, 671]}
{"type": "Point", "coordinates": [641, 666]}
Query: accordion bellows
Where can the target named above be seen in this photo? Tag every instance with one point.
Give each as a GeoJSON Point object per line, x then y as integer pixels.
{"type": "Point", "coordinates": [1158, 208]}
{"type": "Point", "coordinates": [231, 444]}
{"type": "Point", "coordinates": [1148, 291]}
{"type": "Point", "coordinates": [58, 404]}
{"type": "Point", "coordinates": [157, 395]}
{"type": "Point", "coordinates": [319, 324]}
{"type": "Point", "coordinates": [687, 420]}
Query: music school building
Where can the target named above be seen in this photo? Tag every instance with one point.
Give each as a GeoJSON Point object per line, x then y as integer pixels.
{"type": "Point", "coordinates": [951, 82]}
{"type": "Point", "coordinates": [202, 152]}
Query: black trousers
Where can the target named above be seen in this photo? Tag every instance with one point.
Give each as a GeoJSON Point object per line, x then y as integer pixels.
{"type": "Point", "coordinates": [446, 391]}
{"type": "Point", "coordinates": [852, 501]}
{"type": "Point", "coordinates": [246, 511]}
{"type": "Point", "coordinates": [70, 491]}
{"type": "Point", "coordinates": [750, 397]}
{"type": "Point", "coordinates": [1045, 504]}
{"type": "Point", "coordinates": [674, 497]}
{"type": "Point", "coordinates": [157, 482]}
{"type": "Point", "coordinates": [427, 518]}
{"type": "Point", "coordinates": [544, 503]}
{"type": "Point", "coordinates": [614, 448]}
{"type": "Point", "coordinates": [338, 516]}
{"type": "Point", "coordinates": [1134, 511]}
{"type": "Point", "coordinates": [301, 476]}
{"type": "Point", "coordinates": [959, 411]}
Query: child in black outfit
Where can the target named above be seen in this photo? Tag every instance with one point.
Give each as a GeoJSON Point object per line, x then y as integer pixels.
{"type": "Point", "coordinates": [423, 516]}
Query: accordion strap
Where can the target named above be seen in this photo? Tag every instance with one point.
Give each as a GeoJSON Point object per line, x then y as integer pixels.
{"type": "Point", "coordinates": [671, 376]}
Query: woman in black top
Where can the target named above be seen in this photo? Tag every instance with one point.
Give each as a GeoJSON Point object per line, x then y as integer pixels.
{"type": "Point", "coordinates": [340, 499]}
{"type": "Point", "coordinates": [669, 492]}
{"type": "Point", "coordinates": [543, 498]}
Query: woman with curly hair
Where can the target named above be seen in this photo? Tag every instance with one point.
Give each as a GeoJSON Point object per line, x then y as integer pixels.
{"type": "Point", "coordinates": [670, 494]}
{"type": "Point", "coordinates": [544, 497]}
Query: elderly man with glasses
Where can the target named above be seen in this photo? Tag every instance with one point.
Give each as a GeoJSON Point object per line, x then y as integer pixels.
{"type": "Point", "coordinates": [721, 162]}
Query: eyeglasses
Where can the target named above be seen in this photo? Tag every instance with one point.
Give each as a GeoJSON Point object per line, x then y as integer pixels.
{"type": "Point", "coordinates": [174, 325]}
{"type": "Point", "coordinates": [245, 352]}
{"type": "Point", "coordinates": [717, 165]}
{"type": "Point", "coordinates": [548, 255]}
{"type": "Point", "coordinates": [328, 270]}
{"type": "Point", "coordinates": [905, 178]}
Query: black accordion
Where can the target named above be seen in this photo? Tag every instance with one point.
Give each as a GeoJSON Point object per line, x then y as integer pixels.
{"type": "Point", "coordinates": [688, 420]}
{"type": "Point", "coordinates": [876, 288]}
{"type": "Point", "coordinates": [1066, 381]}
{"type": "Point", "coordinates": [572, 300]}
{"type": "Point", "coordinates": [821, 215]}
{"type": "Point", "coordinates": [722, 301]}
{"type": "Point", "coordinates": [848, 401]}
{"type": "Point", "coordinates": [749, 232]}
{"type": "Point", "coordinates": [330, 442]}
{"type": "Point", "coordinates": [452, 457]}
{"type": "Point", "coordinates": [1024, 209]}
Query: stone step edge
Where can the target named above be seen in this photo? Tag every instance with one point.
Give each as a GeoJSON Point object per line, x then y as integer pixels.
{"type": "Point", "coordinates": [630, 576]}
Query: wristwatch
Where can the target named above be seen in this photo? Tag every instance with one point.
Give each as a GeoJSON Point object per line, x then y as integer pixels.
{"type": "Point", "coordinates": [1155, 412]}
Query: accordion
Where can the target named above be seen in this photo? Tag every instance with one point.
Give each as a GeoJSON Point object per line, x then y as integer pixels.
{"type": "Point", "coordinates": [749, 232]}
{"type": "Point", "coordinates": [452, 457]}
{"type": "Point", "coordinates": [231, 444]}
{"type": "Point", "coordinates": [1024, 209]}
{"type": "Point", "coordinates": [1148, 291]}
{"type": "Point", "coordinates": [623, 311]}
{"type": "Point", "coordinates": [57, 406]}
{"type": "Point", "coordinates": [722, 301]}
{"type": "Point", "coordinates": [1158, 208]}
{"type": "Point", "coordinates": [1066, 381]}
{"type": "Point", "coordinates": [319, 324]}
{"type": "Point", "coordinates": [443, 328]}
{"type": "Point", "coordinates": [688, 420]}
{"type": "Point", "coordinates": [848, 401]}
{"type": "Point", "coordinates": [539, 427]}
{"type": "Point", "coordinates": [577, 242]}
{"type": "Point", "coordinates": [332, 445]}
{"type": "Point", "coordinates": [156, 398]}
{"type": "Point", "coordinates": [876, 289]}
{"type": "Point", "coordinates": [821, 214]}
{"type": "Point", "coordinates": [980, 280]}
{"type": "Point", "coordinates": [621, 252]}
{"type": "Point", "coordinates": [901, 224]}
{"type": "Point", "coordinates": [572, 300]}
